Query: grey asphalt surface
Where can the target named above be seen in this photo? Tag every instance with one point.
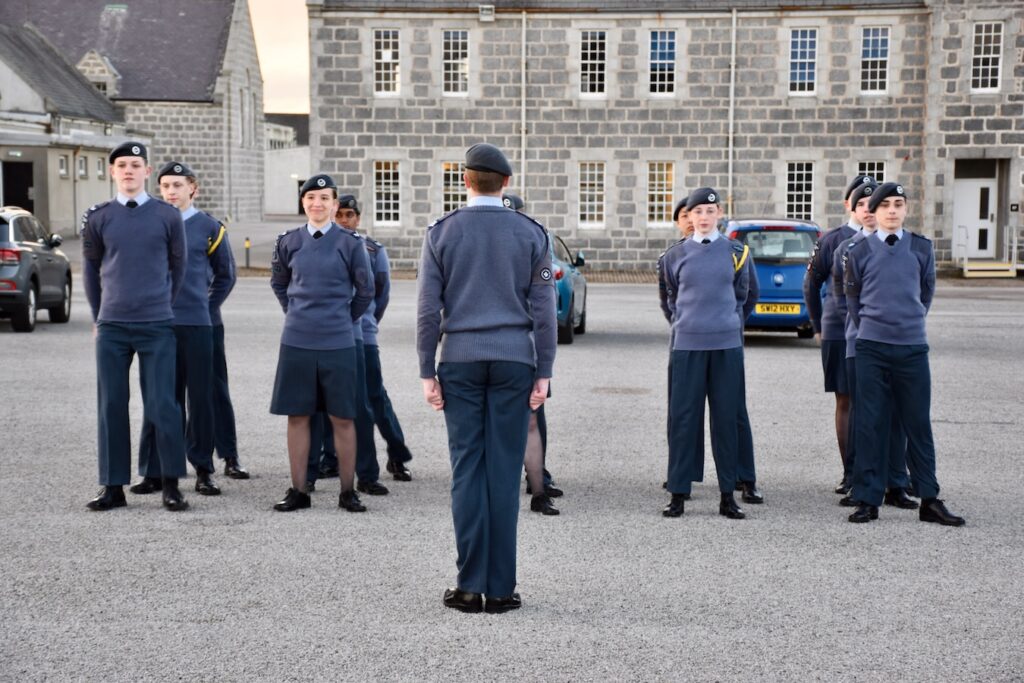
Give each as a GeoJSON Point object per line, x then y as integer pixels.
{"type": "Point", "coordinates": [231, 590]}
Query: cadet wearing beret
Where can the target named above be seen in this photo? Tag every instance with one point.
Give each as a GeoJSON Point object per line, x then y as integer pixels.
{"type": "Point", "coordinates": [896, 493]}
{"type": "Point", "coordinates": [889, 280]}
{"type": "Point", "coordinates": [706, 295]}
{"type": "Point", "coordinates": [209, 278]}
{"type": "Point", "coordinates": [498, 321]}
{"type": "Point", "coordinates": [829, 325]}
{"type": "Point", "coordinates": [134, 259]}
{"type": "Point", "coordinates": [321, 276]}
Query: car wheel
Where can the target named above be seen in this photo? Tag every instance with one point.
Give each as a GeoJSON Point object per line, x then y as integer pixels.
{"type": "Point", "coordinates": [565, 335]}
{"type": "Point", "coordinates": [805, 332]}
{"type": "Point", "coordinates": [582, 327]}
{"type": "Point", "coordinates": [62, 312]}
{"type": "Point", "coordinates": [24, 319]}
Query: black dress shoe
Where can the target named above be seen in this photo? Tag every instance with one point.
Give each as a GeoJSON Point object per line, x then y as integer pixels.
{"type": "Point", "coordinates": [398, 470]}
{"type": "Point", "coordinates": [551, 491]}
{"type": "Point", "coordinates": [676, 506]}
{"type": "Point", "coordinates": [844, 488]}
{"type": "Point", "coordinates": [147, 485]}
{"type": "Point", "coordinates": [109, 497]}
{"type": "Point", "coordinates": [899, 498]}
{"type": "Point", "coordinates": [310, 486]}
{"type": "Point", "coordinates": [506, 604]}
{"type": "Point", "coordinates": [372, 488]}
{"type": "Point", "coordinates": [543, 505]}
{"type": "Point", "coordinates": [328, 472]}
{"type": "Point", "coordinates": [463, 601]}
{"type": "Point", "coordinates": [172, 498]}
{"type": "Point", "coordinates": [293, 500]}
{"type": "Point", "coordinates": [205, 485]}
{"type": "Point", "coordinates": [232, 470]}
{"type": "Point", "coordinates": [350, 501]}
{"type": "Point", "coordinates": [729, 508]}
{"type": "Point", "coordinates": [934, 510]}
{"type": "Point", "coordinates": [849, 502]}
{"type": "Point", "coordinates": [864, 513]}
{"type": "Point", "coordinates": [750, 493]}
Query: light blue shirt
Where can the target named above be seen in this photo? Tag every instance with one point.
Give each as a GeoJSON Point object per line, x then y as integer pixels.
{"type": "Point", "coordinates": [141, 199]}
{"type": "Point", "coordinates": [882, 235]}
{"type": "Point", "coordinates": [713, 236]}
{"type": "Point", "coordinates": [188, 213]}
{"type": "Point", "coordinates": [485, 200]}
{"type": "Point", "coordinates": [854, 224]}
{"type": "Point", "coordinates": [322, 230]}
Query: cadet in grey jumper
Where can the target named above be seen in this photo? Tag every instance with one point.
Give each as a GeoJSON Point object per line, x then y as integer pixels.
{"type": "Point", "coordinates": [485, 282]}
{"type": "Point", "coordinates": [889, 280]}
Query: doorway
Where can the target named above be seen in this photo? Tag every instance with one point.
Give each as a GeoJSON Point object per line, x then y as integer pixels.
{"type": "Point", "coordinates": [17, 185]}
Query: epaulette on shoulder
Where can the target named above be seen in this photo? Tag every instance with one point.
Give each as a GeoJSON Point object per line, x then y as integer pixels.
{"type": "Point", "coordinates": [95, 207]}
{"type": "Point", "coordinates": [216, 220]}
{"type": "Point", "coordinates": [285, 233]}
{"type": "Point", "coordinates": [372, 244]}
{"type": "Point", "coordinates": [444, 218]}
{"type": "Point", "coordinates": [921, 237]}
{"type": "Point", "coordinates": [736, 245]}
{"type": "Point", "coordinates": [533, 220]}
{"type": "Point", "coordinates": [858, 244]}
{"type": "Point", "coordinates": [672, 246]}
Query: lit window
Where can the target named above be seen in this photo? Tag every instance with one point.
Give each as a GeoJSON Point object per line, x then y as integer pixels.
{"type": "Point", "coordinates": [455, 52]}
{"type": "Point", "coordinates": [663, 62]}
{"type": "Point", "coordinates": [800, 189]}
{"type": "Point", "coordinates": [988, 48]}
{"type": "Point", "coordinates": [591, 193]}
{"type": "Point", "coordinates": [875, 169]}
{"type": "Point", "coordinates": [453, 188]}
{"type": "Point", "coordinates": [385, 192]}
{"type": "Point", "coordinates": [660, 178]}
{"type": "Point", "coordinates": [803, 59]}
{"type": "Point", "coordinates": [874, 59]}
{"type": "Point", "coordinates": [385, 61]}
{"type": "Point", "coordinates": [593, 50]}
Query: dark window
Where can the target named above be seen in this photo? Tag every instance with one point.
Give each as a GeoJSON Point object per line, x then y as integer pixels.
{"type": "Point", "coordinates": [983, 204]}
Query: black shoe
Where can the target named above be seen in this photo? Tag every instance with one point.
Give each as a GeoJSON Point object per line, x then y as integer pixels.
{"type": "Point", "coordinates": [472, 603]}
{"type": "Point", "coordinates": [844, 488]}
{"type": "Point", "coordinates": [934, 510]}
{"type": "Point", "coordinates": [506, 604]}
{"type": "Point", "coordinates": [849, 502]}
{"type": "Point", "coordinates": [350, 501]}
{"type": "Point", "coordinates": [293, 500]}
{"type": "Point", "coordinates": [676, 506]}
{"type": "Point", "coordinates": [147, 485]}
{"type": "Point", "coordinates": [172, 498]}
{"type": "Point", "coordinates": [109, 497]}
{"type": "Point", "coordinates": [729, 508]}
{"type": "Point", "coordinates": [232, 470]}
{"type": "Point", "coordinates": [750, 493]}
{"type": "Point", "coordinates": [551, 491]}
{"type": "Point", "coordinates": [864, 513]}
{"type": "Point", "coordinates": [543, 505]}
{"type": "Point", "coordinates": [398, 470]}
{"type": "Point", "coordinates": [372, 488]}
{"type": "Point", "coordinates": [205, 485]}
{"type": "Point", "coordinates": [899, 498]}
{"type": "Point", "coordinates": [327, 472]}
{"type": "Point", "coordinates": [310, 486]}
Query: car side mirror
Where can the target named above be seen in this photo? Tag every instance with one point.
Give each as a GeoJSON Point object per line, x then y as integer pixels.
{"type": "Point", "coordinates": [55, 241]}
{"type": "Point", "coordinates": [580, 261]}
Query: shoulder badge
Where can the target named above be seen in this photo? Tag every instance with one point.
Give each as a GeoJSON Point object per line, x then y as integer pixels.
{"type": "Point", "coordinates": [444, 218]}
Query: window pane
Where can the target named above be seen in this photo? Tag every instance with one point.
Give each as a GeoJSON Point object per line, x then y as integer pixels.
{"type": "Point", "coordinates": [660, 179]}
{"type": "Point", "coordinates": [803, 55]}
{"type": "Point", "coordinates": [453, 189]}
{"type": "Point", "coordinates": [988, 48]}
{"type": "Point", "coordinates": [663, 62]}
{"type": "Point", "coordinates": [874, 59]}
{"type": "Point", "coordinates": [591, 192]}
{"type": "Point", "coordinates": [385, 60]}
{"type": "Point", "coordinates": [799, 189]}
{"type": "Point", "coordinates": [455, 57]}
{"type": "Point", "coordinates": [386, 191]}
{"type": "Point", "coordinates": [592, 62]}
{"type": "Point", "coordinates": [875, 169]}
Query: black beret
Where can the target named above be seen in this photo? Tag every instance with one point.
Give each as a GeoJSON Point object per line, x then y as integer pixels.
{"type": "Point", "coordinates": [513, 201]}
{"type": "Point", "coordinates": [884, 191]}
{"type": "Point", "coordinates": [175, 168]}
{"type": "Point", "coordinates": [857, 182]}
{"type": "Point", "coordinates": [680, 205]}
{"type": "Point", "coordinates": [485, 157]}
{"type": "Point", "coordinates": [129, 149]}
{"type": "Point", "coordinates": [705, 195]}
{"type": "Point", "coordinates": [347, 201]}
{"type": "Point", "coordinates": [321, 181]}
{"type": "Point", "coordinates": [863, 190]}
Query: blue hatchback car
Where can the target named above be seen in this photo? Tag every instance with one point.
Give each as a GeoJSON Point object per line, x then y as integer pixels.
{"type": "Point", "coordinates": [571, 290]}
{"type": "Point", "coordinates": [781, 249]}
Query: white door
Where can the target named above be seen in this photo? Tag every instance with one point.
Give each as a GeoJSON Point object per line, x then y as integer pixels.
{"type": "Point", "coordinates": [974, 216]}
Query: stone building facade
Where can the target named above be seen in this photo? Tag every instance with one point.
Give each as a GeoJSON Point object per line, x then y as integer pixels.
{"type": "Point", "coordinates": [624, 110]}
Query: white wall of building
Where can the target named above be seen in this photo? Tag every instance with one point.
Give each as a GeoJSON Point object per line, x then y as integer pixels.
{"type": "Point", "coordinates": [284, 170]}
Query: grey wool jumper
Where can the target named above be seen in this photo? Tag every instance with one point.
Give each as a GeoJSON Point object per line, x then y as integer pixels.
{"type": "Point", "coordinates": [826, 317]}
{"type": "Point", "coordinates": [485, 282]}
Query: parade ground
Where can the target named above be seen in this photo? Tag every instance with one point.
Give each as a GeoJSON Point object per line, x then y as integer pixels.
{"type": "Point", "coordinates": [232, 591]}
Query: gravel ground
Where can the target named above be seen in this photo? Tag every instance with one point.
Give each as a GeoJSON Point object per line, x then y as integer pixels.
{"type": "Point", "coordinates": [231, 590]}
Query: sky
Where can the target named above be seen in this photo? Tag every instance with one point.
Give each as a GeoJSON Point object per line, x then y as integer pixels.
{"type": "Point", "coordinates": [282, 41]}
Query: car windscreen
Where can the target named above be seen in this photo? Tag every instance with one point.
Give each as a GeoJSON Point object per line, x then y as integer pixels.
{"type": "Point", "coordinates": [778, 246]}
{"type": "Point", "coordinates": [5, 230]}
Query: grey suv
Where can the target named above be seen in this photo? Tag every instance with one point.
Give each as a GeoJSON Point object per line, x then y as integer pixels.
{"type": "Point", "coordinates": [34, 272]}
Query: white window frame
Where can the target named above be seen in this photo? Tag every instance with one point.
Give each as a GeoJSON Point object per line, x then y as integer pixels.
{"type": "Point", "coordinates": [83, 168]}
{"type": "Point", "coordinates": [445, 62]}
{"type": "Point", "coordinates": [672, 34]}
{"type": "Point", "coordinates": [394, 57]}
{"type": "Point", "coordinates": [996, 55]}
{"type": "Point", "coordinates": [63, 169]}
{"type": "Point", "coordinates": [395, 186]}
{"type": "Point", "coordinates": [453, 186]}
{"type": "Point", "coordinates": [660, 196]}
{"type": "Point", "coordinates": [791, 62]}
{"type": "Point", "coordinates": [101, 168]}
{"type": "Point", "coordinates": [867, 63]}
{"type": "Point", "coordinates": [603, 64]}
{"type": "Point", "coordinates": [791, 199]}
{"type": "Point", "coordinates": [874, 168]}
{"type": "Point", "coordinates": [591, 192]}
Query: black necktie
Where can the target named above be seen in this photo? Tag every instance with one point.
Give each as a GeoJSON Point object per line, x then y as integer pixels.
{"type": "Point", "coordinates": [891, 240]}
{"type": "Point", "coordinates": [131, 203]}
{"type": "Point", "coordinates": [317, 235]}
{"type": "Point", "coordinates": [705, 241]}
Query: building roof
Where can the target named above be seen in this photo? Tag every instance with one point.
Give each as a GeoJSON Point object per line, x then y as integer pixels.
{"type": "Point", "coordinates": [164, 51]}
{"type": "Point", "coordinates": [65, 91]}
{"type": "Point", "coordinates": [300, 122]}
{"type": "Point", "coordinates": [617, 6]}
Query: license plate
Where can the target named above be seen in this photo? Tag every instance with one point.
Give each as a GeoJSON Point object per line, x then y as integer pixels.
{"type": "Point", "coordinates": [778, 309]}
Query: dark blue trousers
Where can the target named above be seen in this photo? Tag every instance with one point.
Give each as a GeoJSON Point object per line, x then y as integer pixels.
{"type": "Point", "coordinates": [380, 407]}
{"type": "Point", "coordinates": [225, 438]}
{"type": "Point", "coordinates": [896, 455]}
{"type": "Point", "coordinates": [193, 391]}
{"type": "Point", "coordinates": [487, 413]}
{"type": "Point", "coordinates": [892, 379]}
{"type": "Point", "coordinates": [116, 346]}
{"type": "Point", "coordinates": [715, 376]}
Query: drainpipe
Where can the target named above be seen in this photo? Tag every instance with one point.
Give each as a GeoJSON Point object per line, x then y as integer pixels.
{"type": "Point", "coordinates": [732, 112]}
{"type": "Point", "coordinates": [522, 109]}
